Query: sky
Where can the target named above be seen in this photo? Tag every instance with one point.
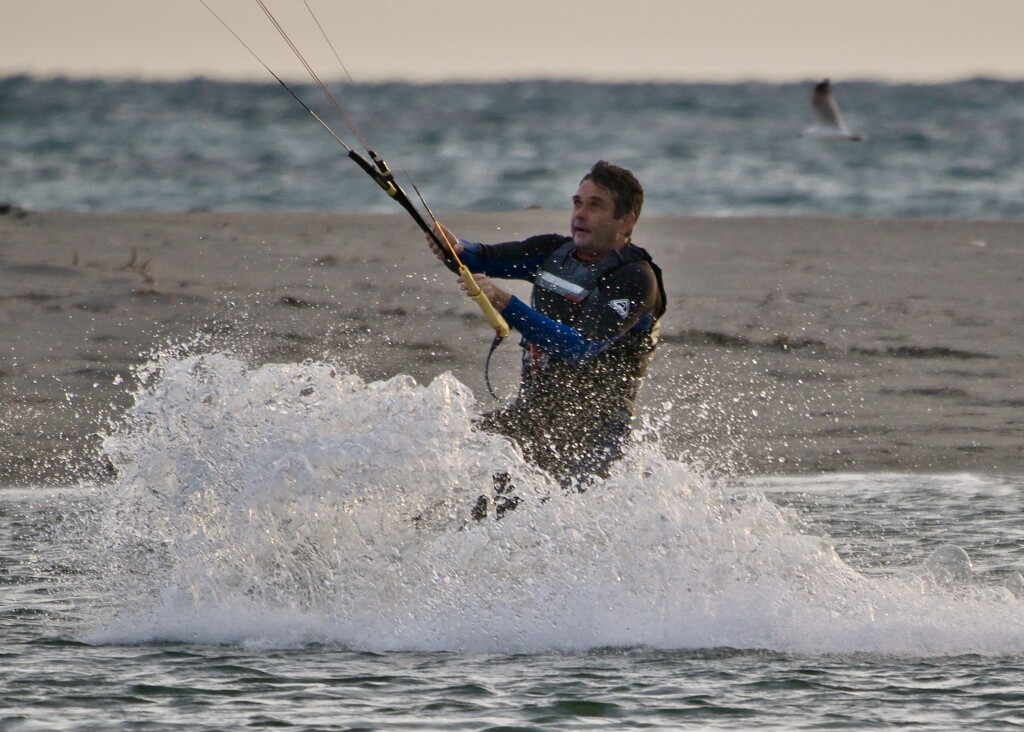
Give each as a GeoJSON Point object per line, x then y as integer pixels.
{"type": "Point", "coordinates": [434, 40]}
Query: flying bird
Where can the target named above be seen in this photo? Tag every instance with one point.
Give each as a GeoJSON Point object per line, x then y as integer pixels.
{"type": "Point", "coordinates": [830, 125]}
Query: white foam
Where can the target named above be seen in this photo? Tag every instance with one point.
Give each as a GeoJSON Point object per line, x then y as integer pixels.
{"type": "Point", "coordinates": [292, 504]}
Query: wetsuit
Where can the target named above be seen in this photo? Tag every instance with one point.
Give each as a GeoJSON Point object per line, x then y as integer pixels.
{"type": "Point", "coordinates": [587, 336]}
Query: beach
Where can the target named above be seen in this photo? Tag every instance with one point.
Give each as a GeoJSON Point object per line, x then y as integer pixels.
{"type": "Point", "coordinates": [790, 345]}
{"type": "Point", "coordinates": [278, 527]}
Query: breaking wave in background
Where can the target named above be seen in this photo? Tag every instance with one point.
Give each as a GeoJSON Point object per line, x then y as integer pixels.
{"type": "Point", "coordinates": [952, 151]}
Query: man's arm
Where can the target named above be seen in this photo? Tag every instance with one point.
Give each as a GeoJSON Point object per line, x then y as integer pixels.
{"type": "Point", "coordinates": [509, 260]}
{"type": "Point", "coordinates": [628, 295]}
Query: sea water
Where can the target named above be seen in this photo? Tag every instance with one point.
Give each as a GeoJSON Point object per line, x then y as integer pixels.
{"type": "Point", "coordinates": [289, 545]}
{"type": "Point", "coordinates": [951, 150]}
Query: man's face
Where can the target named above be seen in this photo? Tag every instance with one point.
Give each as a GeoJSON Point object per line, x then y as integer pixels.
{"type": "Point", "coordinates": [595, 230]}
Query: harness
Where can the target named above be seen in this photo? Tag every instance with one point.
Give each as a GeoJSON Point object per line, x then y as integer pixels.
{"type": "Point", "coordinates": [563, 283]}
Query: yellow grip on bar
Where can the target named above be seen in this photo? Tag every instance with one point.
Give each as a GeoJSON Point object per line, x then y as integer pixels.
{"type": "Point", "coordinates": [492, 316]}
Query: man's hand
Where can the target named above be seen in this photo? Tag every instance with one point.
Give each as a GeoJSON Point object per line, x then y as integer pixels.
{"type": "Point", "coordinates": [442, 232]}
{"type": "Point", "coordinates": [498, 297]}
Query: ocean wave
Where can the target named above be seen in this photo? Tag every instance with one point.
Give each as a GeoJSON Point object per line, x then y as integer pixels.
{"type": "Point", "coordinates": [293, 504]}
{"type": "Point", "coordinates": [944, 150]}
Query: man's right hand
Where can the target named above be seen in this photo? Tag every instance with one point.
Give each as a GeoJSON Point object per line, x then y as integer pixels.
{"type": "Point", "coordinates": [442, 232]}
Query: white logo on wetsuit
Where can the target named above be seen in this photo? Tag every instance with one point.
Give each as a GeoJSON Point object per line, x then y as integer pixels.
{"type": "Point", "coordinates": [620, 306]}
{"type": "Point", "coordinates": [561, 286]}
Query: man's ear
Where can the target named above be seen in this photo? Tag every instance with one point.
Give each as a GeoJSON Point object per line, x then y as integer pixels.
{"type": "Point", "coordinates": [628, 222]}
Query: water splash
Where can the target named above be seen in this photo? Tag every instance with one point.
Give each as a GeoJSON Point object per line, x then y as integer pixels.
{"type": "Point", "coordinates": [294, 503]}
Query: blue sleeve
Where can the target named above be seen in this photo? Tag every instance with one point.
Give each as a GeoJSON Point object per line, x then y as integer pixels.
{"type": "Point", "coordinates": [627, 298]}
{"type": "Point", "coordinates": [555, 338]}
{"type": "Point", "coordinates": [517, 260]}
{"type": "Point", "coordinates": [472, 256]}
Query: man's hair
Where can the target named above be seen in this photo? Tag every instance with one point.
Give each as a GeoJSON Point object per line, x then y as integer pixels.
{"type": "Point", "coordinates": [626, 190]}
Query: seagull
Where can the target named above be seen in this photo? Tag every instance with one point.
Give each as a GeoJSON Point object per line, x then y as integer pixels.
{"type": "Point", "coordinates": [830, 123]}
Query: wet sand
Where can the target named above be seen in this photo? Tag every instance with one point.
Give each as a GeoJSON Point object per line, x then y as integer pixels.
{"type": "Point", "coordinates": [792, 345]}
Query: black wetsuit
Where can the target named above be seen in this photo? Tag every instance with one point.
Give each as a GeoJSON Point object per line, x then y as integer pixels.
{"type": "Point", "coordinates": [588, 335]}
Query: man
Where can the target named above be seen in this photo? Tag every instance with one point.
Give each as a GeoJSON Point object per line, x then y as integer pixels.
{"type": "Point", "coordinates": [588, 334]}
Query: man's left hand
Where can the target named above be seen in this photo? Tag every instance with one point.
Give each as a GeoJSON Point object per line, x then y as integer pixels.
{"type": "Point", "coordinates": [499, 298]}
